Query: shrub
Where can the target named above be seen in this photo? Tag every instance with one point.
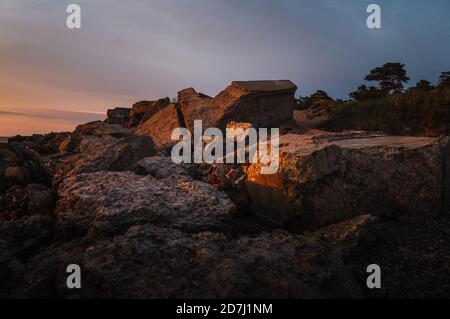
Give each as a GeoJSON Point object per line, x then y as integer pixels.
{"type": "Point", "coordinates": [412, 112]}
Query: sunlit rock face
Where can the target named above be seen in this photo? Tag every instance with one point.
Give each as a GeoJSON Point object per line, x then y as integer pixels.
{"type": "Point", "coordinates": [261, 103]}
{"type": "Point", "coordinates": [326, 178]}
{"type": "Point", "coordinates": [99, 146]}
{"type": "Point", "coordinates": [160, 125]}
{"type": "Point", "coordinates": [142, 111]}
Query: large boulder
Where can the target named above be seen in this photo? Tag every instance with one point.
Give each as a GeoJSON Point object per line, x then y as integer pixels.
{"type": "Point", "coordinates": [99, 154]}
{"type": "Point", "coordinates": [207, 265]}
{"type": "Point", "coordinates": [327, 178]}
{"type": "Point", "coordinates": [110, 202]}
{"type": "Point", "coordinates": [261, 103]}
{"type": "Point", "coordinates": [97, 134]}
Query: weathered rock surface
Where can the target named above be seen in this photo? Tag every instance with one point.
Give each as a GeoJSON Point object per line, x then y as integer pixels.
{"type": "Point", "coordinates": [327, 178]}
{"type": "Point", "coordinates": [163, 167]}
{"type": "Point", "coordinates": [160, 125]}
{"type": "Point", "coordinates": [155, 262]}
{"type": "Point", "coordinates": [137, 112]}
{"type": "Point", "coordinates": [109, 202]}
{"type": "Point", "coordinates": [99, 146]}
{"type": "Point", "coordinates": [261, 103]}
{"type": "Point", "coordinates": [143, 110]}
{"type": "Point", "coordinates": [144, 113]}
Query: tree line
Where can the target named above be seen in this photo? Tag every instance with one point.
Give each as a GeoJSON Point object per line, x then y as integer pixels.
{"type": "Point", "coordinates": [389, 78]}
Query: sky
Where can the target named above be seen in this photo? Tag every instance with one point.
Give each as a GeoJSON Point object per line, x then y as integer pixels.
{"type": "Point", "coordinates": [134, 50]}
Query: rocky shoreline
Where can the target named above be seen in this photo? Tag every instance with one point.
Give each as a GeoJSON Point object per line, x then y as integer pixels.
{"type": "Point", "coordinates": [109, 198]}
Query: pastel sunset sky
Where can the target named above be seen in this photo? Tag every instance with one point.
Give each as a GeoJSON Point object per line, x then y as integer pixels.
{"type": "Point", "coordinates": [52, 78]}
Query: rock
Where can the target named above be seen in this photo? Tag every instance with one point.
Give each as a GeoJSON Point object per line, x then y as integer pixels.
{"type": "Point", "coordinates": [44, 145]}
{"type": "Point", "coordinates": [108, 203]}
{"type": "Point", "coordinates": [160, 126]}
{"type": "Point", "coordinates": [236, 126]}
{"type": "Point", "coordinates": [119, 115]}
{"type": "Point", "coordinates": [17, 174]}
{"type": "Point", "coordinates": [100, 146]}
{"type": "Point", "coordinates": [67, 145]}
{"type": "Point", "coordinates": [19, 240]}
{"type": "Point", "coordinates": [7, 155]}
{"type": "Point", "coordinates": [143, 110]}
{"type": "Point", "coordinates": [420, 248]}
{"type": "Point", "coordinates": [18, 202]}
{"type": "Point", "coordinates": [105, 154]}
{"type": "Point", "coordinates": [137, 111]}
{"type": "Point", "coordinates": [261, 103]}
{"type": "Point", "coordinates": [148, 261]}
{"type": "Point", "coordinates": [13, 203]}
{"type": "Point", "coordinates": [232, 179]}
{"type": "Point", "coordinates": [163, 167]}
{"type": "Point", "coordinates": [347, 233]}
{"type": "Point", "coordinates": [24, 183]}
{"type": "Point", "coordinates": [40, 200]}
{"type": "Point", "coordinates": [327, 178]}
{"type": "Point", "coordinates": [20, 165]}
{"type": "Point", "coordinates": [93, 133]}
{"type": "Point", "coordinates": [101, 129]}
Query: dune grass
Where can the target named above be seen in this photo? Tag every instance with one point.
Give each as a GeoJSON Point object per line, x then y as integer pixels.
{"type": "Point", "coordinates": [412, 112]}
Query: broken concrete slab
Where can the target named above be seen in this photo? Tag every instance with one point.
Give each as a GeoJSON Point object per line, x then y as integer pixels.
{"type": "Point", "coordinates": [327, 178]}
{"type": "Point", "coordinates": [261, 103]}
